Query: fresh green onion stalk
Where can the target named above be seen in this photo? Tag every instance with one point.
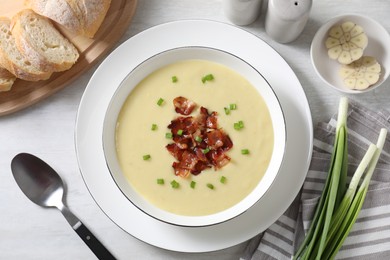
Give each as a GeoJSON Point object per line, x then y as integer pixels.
{"type": "Point", "coordinates": [320, 224]}
{"type": "Point", "coordinates": [354, 198]}
{"type": "Point", "coordinates": [339, 207]}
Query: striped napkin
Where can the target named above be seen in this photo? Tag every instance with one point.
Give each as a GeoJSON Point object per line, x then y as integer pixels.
{"type": "Point", "coordinates": [370, 235]}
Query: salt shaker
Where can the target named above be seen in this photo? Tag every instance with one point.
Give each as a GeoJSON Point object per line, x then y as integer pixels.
{"type": "Point", "coordinates": [241, 12]}
{"type": "Point", "coordinates": [285, 19]}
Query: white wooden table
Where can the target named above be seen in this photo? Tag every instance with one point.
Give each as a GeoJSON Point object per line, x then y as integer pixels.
{"type": "Point", "coordinates": [47, 130]}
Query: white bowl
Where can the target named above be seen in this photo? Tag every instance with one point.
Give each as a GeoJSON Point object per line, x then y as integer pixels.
{"type": "Point", "coordinates": [378, 47]}
{"type": "Point", "coordinates": [160, 60]}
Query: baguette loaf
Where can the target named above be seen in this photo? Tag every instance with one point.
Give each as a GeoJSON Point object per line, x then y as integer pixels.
{"type": "Point", "coordinates": [13, 60]}
{"type": "Point", "coordinates": [7, 79]}
{"type": "Point", "coordinates": [90, 14]}
{"type": "Point", "coordinates": [41, 43]}
{"type": "Point", "coordinates": [58, 11]}
{"type": "Point", "coordinates": [79, 16]}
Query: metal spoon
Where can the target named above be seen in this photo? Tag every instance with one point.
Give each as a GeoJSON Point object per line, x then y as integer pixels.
{"type": "Point", "coordinates": [43, 186]}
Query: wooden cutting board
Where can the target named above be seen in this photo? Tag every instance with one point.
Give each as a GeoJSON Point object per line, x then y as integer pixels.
{"type": "Point", "coordinates": [24, 93]}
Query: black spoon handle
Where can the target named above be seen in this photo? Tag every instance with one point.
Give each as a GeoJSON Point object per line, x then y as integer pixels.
{"type": "Point", "coordinates": [92, 242]}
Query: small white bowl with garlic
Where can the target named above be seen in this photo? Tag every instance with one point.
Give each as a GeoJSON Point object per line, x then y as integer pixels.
{"type": "Point", "coordinates": [351, 53]}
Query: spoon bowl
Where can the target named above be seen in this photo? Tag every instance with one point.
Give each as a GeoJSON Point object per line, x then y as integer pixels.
{"type": "Point", "coordinates": [38, 181]}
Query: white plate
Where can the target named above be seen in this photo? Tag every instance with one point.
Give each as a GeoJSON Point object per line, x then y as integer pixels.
{"type": "Point", "coordinates": [378, 47]}
{"type": "Point", "coordinates": [115, 68]}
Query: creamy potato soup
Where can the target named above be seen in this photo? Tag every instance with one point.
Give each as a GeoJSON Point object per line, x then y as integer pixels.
{"type": "Point", "coordinates": [141, 137]}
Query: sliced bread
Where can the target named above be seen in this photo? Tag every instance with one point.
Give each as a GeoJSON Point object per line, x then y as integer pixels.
{"type": "Point", "coordinates": [13, 60]}
{"type": "Point", "coordinates": [7, 79]}
{"type": "Point", "coordinates": [42, 43]}
{"type": "Point", "coordinates": [79, 16]}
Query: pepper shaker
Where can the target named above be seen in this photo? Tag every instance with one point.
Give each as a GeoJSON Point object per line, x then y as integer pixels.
{"type": "Point", "coordinates": [286, 19]}
{"type": "Point", "coordinates": [241, 12]}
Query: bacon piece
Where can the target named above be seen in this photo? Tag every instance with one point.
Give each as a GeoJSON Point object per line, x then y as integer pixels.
{"type": "Point", "coordinates": [194, 136]}
{"type": "Point", "coordinates": [218, 138]}
{"type": "Point", "coordinates": [218, 158]}
{"type": "Point", "coordinates": [206, 120]}
{"type": "Point", "coordinates": [175, 151]}
{"type": "Point", "coordinates": [187, 124]}
{"type": "Point", "coordinates": [184, 142]}
{"type": "Point", "coordinates": [201, 156]}
{"type": "Point", "coordinates": [186, 165]}
{"type": "Point", "coordinates": [199, 167]}
{"type": "Point", "coordinates": [182, 172]}
{"type": "Point", "coordinates": [227, 143]}
{"type": "Point", "coordinates": [201, 119]}
{"type": "Point", "coordinates": [211, 121]}
{"type": "Point", "coordinates": [214, 139]}
{"type": "Point", "coordinates": [183, 105]}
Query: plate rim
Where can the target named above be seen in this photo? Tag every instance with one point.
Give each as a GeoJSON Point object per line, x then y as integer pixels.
{"type": "Point", "coordinates": [188, 237]}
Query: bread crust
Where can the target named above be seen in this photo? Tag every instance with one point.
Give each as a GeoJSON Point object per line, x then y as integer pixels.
{"type": "Point", "coordinates": [58, 11]}
{"type": "Point", "coordinates": [90, 13]}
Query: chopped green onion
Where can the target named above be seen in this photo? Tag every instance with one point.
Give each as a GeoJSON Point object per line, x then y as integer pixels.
{"type": "Point", "coordinates": [198, 139]}
{"type": "Point", "coordinates": [192, 184]}
{"type": "Point", "coordinates": [160, 181]}
{"type": "Point", "coordinates": [206, 150]}
{"type": "Point", "coordinates": [174, 79]}
{"type": "Point", "coordinates": [227, 110]}
{"type": "Point", "coordinates": [168, 135]}
{"type": "Point", "coordinates": [154, 127]}
{"type": "Point", "coordinates": [179, 132]}
{"type": "Point", "coordinates": [175, 184]}
{"type": "Point", "coordinates": [223, 179]}
{"type": "Point", "coordinates": [208, 77]}
{"type": "Point", "coordinates": [233, 106]}
{"type": "Point", "coordinates": [160, 101]}
{"type": "Point", "coordinates": [210, 186]}
{"type": "Point", "coordinates": [239, 125]}
{"type": "Point", "coordinates": [244, 151]}
{"type": "Point", "coordinates": [146, 157]}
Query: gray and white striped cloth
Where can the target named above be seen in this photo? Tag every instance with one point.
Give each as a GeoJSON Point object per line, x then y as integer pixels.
{"type": "Point", "coordinates": [370, 235]}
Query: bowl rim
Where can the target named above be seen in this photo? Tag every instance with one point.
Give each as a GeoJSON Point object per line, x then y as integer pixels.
{"type": "Point", "coordinates": [321, 32]}
{"type": "Point", "coordinates": [191, 220]}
